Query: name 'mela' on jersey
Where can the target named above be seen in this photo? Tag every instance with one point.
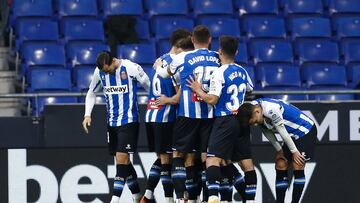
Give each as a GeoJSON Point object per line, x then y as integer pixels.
{"type": "Point", "coordinates": [199, 63]}
{"type": "Point", "coordinates": [278, 112]}
{"type": "Point", "coordinates": [120, 91]}
{"type": "Point", "coordinates": [230, 83]}
{"type": "Point", "coordinates": [161, 86]}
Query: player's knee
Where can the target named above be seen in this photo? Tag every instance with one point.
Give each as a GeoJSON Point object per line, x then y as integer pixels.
{"type": "Point", "coordinates": [298, 167]}
{"type": "Point", "coordinates": [281, 164]}
{"type": "Point", "coordinates": [165, 158]}
{"type": "Point", "coordinates": [122, 158]}
{"type": "Point", "coordinates": [178, 154]}
{"type": "Point", "coordinates": [246, 165]}
{"type": "Point", "coordinates": [213, 161]}
{"type": "Point", "coordinates": [189, 159]}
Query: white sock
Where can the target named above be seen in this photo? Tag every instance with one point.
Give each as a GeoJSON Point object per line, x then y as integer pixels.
{"type": "Point", "coordinates": [115, 199]}
{"type": "Point", "coordinates": [169, 200]}
{"type": "Point", "coordinates": [149, 194]}
{"type": "Point", "coordinates": [213, 197]}
{"type": "Point", "coordinates": [136, 197]}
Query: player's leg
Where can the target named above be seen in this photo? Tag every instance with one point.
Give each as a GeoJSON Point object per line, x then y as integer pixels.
{"type": "Point", "coordinates": [250, 179]}
{"type": "Point", "coordinates": [205, 131]}
{"type": "Point", "coordinates": [238, 181]}
{"type": "Point", "coordinates": [226, 184]}
{"type": "Point", "coordinates": [155, 170]}
{"type": "Point", "coordinates": [191, 182]}
{"type": "Point", "coordinates": [282, 180]}
{"type": "Point", "coordinates": [213, 174]}
{"type": "Point", "coordinates": [306, 146]}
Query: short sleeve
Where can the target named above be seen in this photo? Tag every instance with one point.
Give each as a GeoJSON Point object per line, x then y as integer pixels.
{"type": "Point", "coordinates": [249, 84]}
{"type": "Point", "coordinates": [177, 63]}
{"type": "Point", "coordinates": [216, 83]}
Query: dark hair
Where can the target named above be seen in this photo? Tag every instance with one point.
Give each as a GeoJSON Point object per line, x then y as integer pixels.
{"type": "Point", "coordinates": [201, 34]}
{"type": "Point", "coordinates": [177, 35]}
{"type": "Point", "coordinates": [185, 44]}
{"type": "Point", "coordinates": [229, 45]}
{"type": "Point", "coordinates": [245, 113]}
{"type": "Point", "coordinates": [104, 57]}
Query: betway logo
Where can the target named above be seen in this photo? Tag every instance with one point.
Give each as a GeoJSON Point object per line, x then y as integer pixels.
{"type": "Point", "coordinates": [116, 89]}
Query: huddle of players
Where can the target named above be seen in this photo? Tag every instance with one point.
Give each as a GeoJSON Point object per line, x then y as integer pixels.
{"type": "Point", "coordinates": [194, 116]}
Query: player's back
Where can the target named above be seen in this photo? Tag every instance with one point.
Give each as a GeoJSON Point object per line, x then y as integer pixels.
{"type": "Point", "coordinates": [160, 86]}
{"type": "Point", "coordinates": [199, 63]}
{"type": "Point", "coordinates": [234, 81]}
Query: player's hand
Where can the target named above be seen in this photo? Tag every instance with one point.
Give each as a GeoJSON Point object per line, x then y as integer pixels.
{"type": "Point", "coordinates": [193, 84]}
{"type": "Point", "coordinates": [162, 100]}
{"type": "Point", "coordinates": [86, 123]}
{"type": "Point", "coordinates": [157, 63]}
{"type": "Point", "coordinates": [298, 158]}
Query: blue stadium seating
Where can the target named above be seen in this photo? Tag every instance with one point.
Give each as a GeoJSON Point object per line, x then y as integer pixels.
{"type": "Point", "coordinates": [206, 7]}
{"type": "Point", "coordinates": [286, 97]}
{"type": "Point", "coordinates": [162, 47]}
{"type": "Point", "coordinates": [257, 6]}
{"type": "Point", "coordinates": [143, 53]}
{"type": "Point", "coordinates": [142, 29]}
{"type": "Point", "coordinates": [34, 8]}
{"type": "Point", "coordinates": [80, 52]}
{"type": "Point", "coordinates": [166, 7]}
{"type": "Point", "coordinates": [344, 6]}
{"type": "Point", "coordinates": [303, 6]}
{"type": "Point", "coordinates": [250, 70]}
{"type": "Point", "coordinates": [347, 26]}
{"type": "Point", "coordinates": [36, 29]}
{"type": "Point", "coordinates": [162, 27]}
{"type": "Point", "coordinates": [82, 76]}
{"type": "Point", "coordinates": [310, 27]}
{"type": "Point", "coordinates": [42, 53]}
{"type": "Point", "coordinates": [264, 26]}
{"type": "Point", "coordinates": [221, 25]}
{"type": "Point", "coordinates": [351, 50]}
{"type": "Point", "coordinates": [241, 57]}
{"type": "Point", "coordinates": [317, 50]}
{"type": "Point", "coordinates": [42, 101]}
{"type": "Point", "coordinates": [266, 50]}
{"type": "Point", "coordinates": [330, 97]}
{"type": "Point", "coordinates": [324, 74]}
{"type": "Point", "coordinates": [49, 79]}
{"type": "Point", "coordinates": [354, 75]}
{"type": "Point", "coordinates": [278, 75]}
{"type": "Point", "coordinates": [122, 7]}
{"type": "Point", "coordinates": [77, 8]}
{"type": "Point", "coordinates": [83, 29]}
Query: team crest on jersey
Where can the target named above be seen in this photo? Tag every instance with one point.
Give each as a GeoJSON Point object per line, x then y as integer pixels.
{"type": "Point", "coordinates": [123, 75]}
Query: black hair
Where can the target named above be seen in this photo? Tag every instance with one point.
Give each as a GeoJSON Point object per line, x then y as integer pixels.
{"type": "Point", "coordinates": [201, 34]}
{"type": "Point", "coordinates": [177, 35]}
{"type": "Point", "coordinates": [228, 45]}
{"type": "Point", "coordinates": [185, 44]}
{"type": "Point", "coordinates": [245, 113]}
{"type": "Point", "coordinates": [104, 58]}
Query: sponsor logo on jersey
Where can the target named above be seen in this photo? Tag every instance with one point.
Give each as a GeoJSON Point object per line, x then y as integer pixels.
{"type": "Point", "coordinates": [152, 105]}
{"type": "Point", "coordinates": [116, 89]}
{"type": "Point", "coordinates": [196, 98]}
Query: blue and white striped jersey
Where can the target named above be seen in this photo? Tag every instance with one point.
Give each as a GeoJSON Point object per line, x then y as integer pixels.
{"type": "Point", "coordinates": [199, 63]}
{"type": "Point", "coordinates": [161, 86]}
{"type": "Point", "coordinates": [230, 82]}
{"type": "Point", "coordinates": [277, 112]}
{"type": "Point", "coordinates": [120, 90]}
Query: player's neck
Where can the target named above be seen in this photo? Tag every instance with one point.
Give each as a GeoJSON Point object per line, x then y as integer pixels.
{"type": "Point", "coordinates": [201, 46]}
{"type": "Point", "coordinates": [172, 50]}
{"type": "Point", "coordinates": [225, 61]}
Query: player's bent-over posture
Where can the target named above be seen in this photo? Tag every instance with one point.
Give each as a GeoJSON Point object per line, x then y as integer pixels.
{"type": "Point", "coordinates": [228, 85]}
{"type": "Point", "coordinates": [118, 79]}
{"type": "Point", "coordinates": [298, 133]}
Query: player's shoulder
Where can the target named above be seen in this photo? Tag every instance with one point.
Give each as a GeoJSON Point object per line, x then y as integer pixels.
{"type": "Point", "coordinates": [270, 108]}
{"type": "Point", "coordinates": [128, 63]}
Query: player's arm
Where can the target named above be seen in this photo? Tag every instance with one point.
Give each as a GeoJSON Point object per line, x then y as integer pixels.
{"type": "Point", "coordinates": [142, 77]}
{"type": "Point", "coordinates": [272, 139]}
{"type": "Point", "coordinates": [211, 98]}
{"type": "Point", "coordinates": [90, 99]}
{"type": "Point", "coordinates": [163, 100]}
{"type": "Point", "coordinates": [167, 70]}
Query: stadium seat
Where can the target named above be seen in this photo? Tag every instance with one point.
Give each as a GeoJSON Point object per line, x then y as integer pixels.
{"type": "Point", "coordinates": [241, 57]}
{"type": "Point", "coordinates": [317, 50]}
{"type": "Point", "coordinates": [36, 29]}
{"type": "Point", "coordinates": [162, 47]}
{"type": "Point", "coordinates": [347, 26]}
{"type": "Point", "coordinates": [143, 53]}
{"type": "Point", "coordinates": [250, 70]}
{"type": "Point", "coordinates": [122, 7]}
{"type": "Point", "coordinates": [257, 6]}
{"type": "Point", "coordinates": [34, 8]}
{"type": "Point", "coordinates": [303, 6]}
{"type": "Point", "coordinates": [264, 26]}
{"type": "Point", "coordinates": [344, 6]}
{"type": "Point", "coordinates": [42, 53]}
{"type": "Point", "coordinates": [309, 27]}
{"type": "Point", "coordinates": [351, 50]}
{"type": "Point", "coordinates": [207, 7]}
{"type": "Point", "coordinates": [221, 25]}
{"type": "Point", "coordinates": [266, 50]}
{"type": "Point", "coordinates": [354, 75]}
{"type": "Point", "coordinates": [80, 53]}
{"type": "Point", "coordinates": [83, 29]}
{"type": "Point", "coordinates": [77, 8]}
{"type": "Point", "coordinates": [42, 101]}
{"type": "Point", "coordinates": [49, 78]}
{"type": "Point", "coordinates": [166, 7]}
{"type": "Point", "coordinates": [82, 76]}
{"type": "Point", "coordinates": [331, 97]}
{"type": "Point", "coordinates": [324, 74]}
{"type": "Point", "coordinates": [287, 97]}
{"type": "Point", "coordinates": [278, 75]}
{"type": "Point", "coordinates": [142, 29]}
{"type": "Point", "coordinates": [162, 27]}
